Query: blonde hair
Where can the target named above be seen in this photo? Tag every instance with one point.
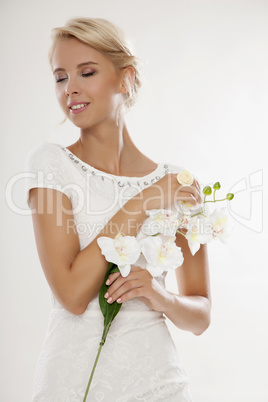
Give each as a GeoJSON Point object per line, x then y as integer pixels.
{"type": "Point", "coordinates": [104, 36]}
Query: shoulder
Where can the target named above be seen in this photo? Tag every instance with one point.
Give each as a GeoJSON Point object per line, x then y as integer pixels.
{"type": "Point", "coordinates": [45, 166]}
{"type": "Point", "coordinates": [174, 168]}
{"type": "Point", "coordinates": [42, 153]}
{"type": "Point", "coordinates": [43, 147]}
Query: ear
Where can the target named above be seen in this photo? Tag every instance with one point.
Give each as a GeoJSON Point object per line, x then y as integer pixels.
{"type": "Point", "coordinates": [128, 79]}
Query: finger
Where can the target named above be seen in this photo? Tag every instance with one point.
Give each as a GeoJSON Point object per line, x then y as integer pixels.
{"type": "Point", "coordinates": [194, 192]}
{"type": "Point", "coordinates": [117, 283]}
{"type": "Point", "coordinates": [136, 268]}
{"type": "Point", "coordinates": [135, 279]}
{"type": "Point", "coordinates": [198, 186]}
{"type": "Point", "coordinates": [188, 197]}
{"type": "Point", "coordinates": [137, 292]}
{"type": "Point", "coordinates": [112, 277]}
{"type": "Point", "coordinates": [196, 183]}
{"type": "Point", "coordinates": [197, 194]}
{"type": "Point", "coordinates": [120, 280]}
{"type": "Point", "coordinates": [124, 288]}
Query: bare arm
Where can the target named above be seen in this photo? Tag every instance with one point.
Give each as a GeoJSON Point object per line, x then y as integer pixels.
{"type": "Point", "coordinates": [75, 277]}
{"type": "Point", "coordinates": [190, 310]}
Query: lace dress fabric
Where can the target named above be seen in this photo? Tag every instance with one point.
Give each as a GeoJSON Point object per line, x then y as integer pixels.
{"type": "Point", "coordinates": [139, 360]}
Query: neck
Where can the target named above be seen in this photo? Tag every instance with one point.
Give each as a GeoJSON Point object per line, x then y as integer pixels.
{"type": "Point", "coordinates": [108, 147]}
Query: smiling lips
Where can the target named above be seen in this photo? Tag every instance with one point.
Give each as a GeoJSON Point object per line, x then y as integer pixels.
{"type": "Point", "coordinates": [76, 107]}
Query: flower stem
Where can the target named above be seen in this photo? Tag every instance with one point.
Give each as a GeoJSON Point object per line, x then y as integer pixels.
{"type": "Point", "coordinates": [223, 199]}
{"type": "Point", "coordinates": [178, 231]}
{"type": "Point", "coordinates": [103, 339]}
{"type": "Point", "coordinates": [200, 213]}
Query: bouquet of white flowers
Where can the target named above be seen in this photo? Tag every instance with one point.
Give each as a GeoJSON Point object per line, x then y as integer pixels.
{"type": "Point", "coordinates": [154, 247]}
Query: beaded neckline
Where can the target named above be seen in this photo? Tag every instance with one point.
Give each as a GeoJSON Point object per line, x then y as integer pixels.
{"type": "Point", "coordinates": [121, 180]}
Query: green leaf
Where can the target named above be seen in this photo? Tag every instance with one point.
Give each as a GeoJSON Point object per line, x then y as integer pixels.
{"type": "Point", "coordinates": [102, 301]}
{"type": "Point", "coordinates": [109, 311]}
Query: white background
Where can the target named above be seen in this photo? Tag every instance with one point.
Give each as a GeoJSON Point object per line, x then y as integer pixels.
{"type": "Point", "coordinates": [203, 105]}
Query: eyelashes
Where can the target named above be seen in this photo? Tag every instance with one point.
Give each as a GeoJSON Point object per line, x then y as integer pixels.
{"type": "Point", "coordinates": [82, 75]}
{"type": "Point", "coordinates": [88, 74]}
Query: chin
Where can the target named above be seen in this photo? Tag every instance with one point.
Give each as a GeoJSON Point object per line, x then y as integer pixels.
{"type": "Point", "coordinates": [89, 123]}
{"type": "Point", "coordinates": [84, 124]}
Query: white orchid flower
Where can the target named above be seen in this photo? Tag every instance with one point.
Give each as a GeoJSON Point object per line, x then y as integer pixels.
{"type": "Point", "coordinates": [161, 254]}
{"type": "Point", "coordinates": [141, 261]}
{"type": "Point", "coordinates": [188, 207]}
{"type": "Point", "coordinates": [221, 223]}
{"type": "Point", "coordinates": [122, 251]}
{"type": "Point", "coordinates": [162, 221]}
{"type": "Point", "coordinates": [200, 231]}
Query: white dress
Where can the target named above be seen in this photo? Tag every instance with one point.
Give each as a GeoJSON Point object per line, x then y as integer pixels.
{"type": "Point", "coordinates": [139, 361]}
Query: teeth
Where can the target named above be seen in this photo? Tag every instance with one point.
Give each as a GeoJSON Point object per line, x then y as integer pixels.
{"type": "Point", "coordinates": [78, 106]}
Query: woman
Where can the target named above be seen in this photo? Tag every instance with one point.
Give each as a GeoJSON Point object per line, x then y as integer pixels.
{"type": "Point", "coordinates": [99, 186]}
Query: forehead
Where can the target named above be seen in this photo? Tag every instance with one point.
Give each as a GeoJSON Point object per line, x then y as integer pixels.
{"type": "Point", "coordinates": [69, 52]}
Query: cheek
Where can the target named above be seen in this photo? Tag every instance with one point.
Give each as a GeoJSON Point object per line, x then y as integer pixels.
{"type": "Point", "coordinates": [102, 89]}
{"type": "Point", "coordinates": [60, 94]}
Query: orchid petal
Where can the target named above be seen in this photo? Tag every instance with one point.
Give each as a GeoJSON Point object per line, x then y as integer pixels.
{"type": "Point", "coordinates": [108, 250]}
{"type": "Point", "coordinates": [154, 270]}
{"type": "Point", "coordinates": [124, 269]}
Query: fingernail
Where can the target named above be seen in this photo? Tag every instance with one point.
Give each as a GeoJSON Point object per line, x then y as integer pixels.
{"type": "Point", "coordinates": [106, 295]}
{"type": "Point", "coordinates": [108, 282]}
{"type": "Point", "coordinates": [119, 300]}
{"type": "Point", "coordinates": [109, 300]}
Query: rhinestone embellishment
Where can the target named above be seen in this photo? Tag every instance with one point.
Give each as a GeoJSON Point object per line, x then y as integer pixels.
{"type": "Point", "coordinates": [120, 183]}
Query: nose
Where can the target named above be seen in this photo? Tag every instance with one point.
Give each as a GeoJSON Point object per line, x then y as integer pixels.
{"type": "Point", "coordinates": [71, 88]}
{"type": "Point", "coordinates": [69, 92]}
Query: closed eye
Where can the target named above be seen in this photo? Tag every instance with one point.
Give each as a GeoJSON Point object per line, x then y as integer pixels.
{"type": "Point", "coordinates": [60, 79]}
{"type": "Point", "coordinates": [88, 74]}
{"type": "Point", "coordinates": [83, 75]}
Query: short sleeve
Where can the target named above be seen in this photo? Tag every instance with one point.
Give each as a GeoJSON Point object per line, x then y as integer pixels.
{"type": "Point", "coordinates": [45, 167]}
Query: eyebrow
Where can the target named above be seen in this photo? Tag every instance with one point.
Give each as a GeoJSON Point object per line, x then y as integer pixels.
{"type": "Point", "coordinates": [79, 65]}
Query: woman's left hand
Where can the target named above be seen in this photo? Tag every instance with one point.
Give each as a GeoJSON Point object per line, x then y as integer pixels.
{"type": "Point", "coordinates": [139, 283]}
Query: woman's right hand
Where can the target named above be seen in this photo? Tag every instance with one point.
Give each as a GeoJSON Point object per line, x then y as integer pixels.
{"type": "Point", "coordinates": [167, 191]}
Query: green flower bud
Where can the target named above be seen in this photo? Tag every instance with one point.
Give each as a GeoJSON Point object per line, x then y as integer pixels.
{"type": "Point", "coordinates": [230, 196]}
{"type": "Point", "coordinates": [217, 186]}
{"type": "Point", "coordinates": [207, 190]}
